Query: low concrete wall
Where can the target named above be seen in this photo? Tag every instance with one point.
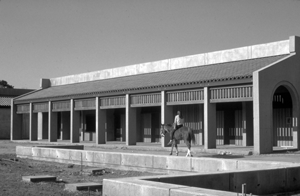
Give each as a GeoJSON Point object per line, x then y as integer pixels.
{"type": "Point", "coordinates": [208, 176]}
{"type": "Point", "coordinates": [74, 147]}
{"type": "Point", "coordinates": [141, 162]}
{"type": "Point", "coordinates": [141, 186]}
{"type": "Point", "coordinates": [259, 182]}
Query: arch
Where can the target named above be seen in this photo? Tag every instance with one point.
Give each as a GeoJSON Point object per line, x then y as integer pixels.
{"type": "Point", "coordinates": [285, 110]}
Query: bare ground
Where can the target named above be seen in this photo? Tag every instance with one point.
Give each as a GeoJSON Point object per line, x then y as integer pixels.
{"type": "Point", "coordinates": [12, 169]}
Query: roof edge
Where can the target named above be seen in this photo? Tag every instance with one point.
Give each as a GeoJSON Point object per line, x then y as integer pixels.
{"type": "Point", "coordinates": [223, 56]}
{"type": "Point", "coordinates": [282, 59]}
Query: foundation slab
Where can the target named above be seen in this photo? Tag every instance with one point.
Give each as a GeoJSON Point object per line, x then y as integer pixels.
{"type": "Point", "coordinates": [39, 178]}
{"type": "Point", "coordinates": [83, 186]}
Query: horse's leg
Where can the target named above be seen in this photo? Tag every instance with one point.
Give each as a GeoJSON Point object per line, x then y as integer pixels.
{"type": "Point", "coordinates": [176, 149]}
{"type": "Point", "coordinates": [172, 148]}
{"type": "Point", "coordinates": [188, 144]}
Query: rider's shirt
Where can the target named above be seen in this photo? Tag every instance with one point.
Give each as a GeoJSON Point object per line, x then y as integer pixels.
{"type": "Point", "coordinates": [178, 120]}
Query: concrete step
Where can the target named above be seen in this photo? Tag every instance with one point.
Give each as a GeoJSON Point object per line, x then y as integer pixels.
{"type": "Point", "coordinates": [93, 186]}
{"type": "Point", "coordinates": [93, 170]}
{"type": "Point", "coordinates": [43, 178]}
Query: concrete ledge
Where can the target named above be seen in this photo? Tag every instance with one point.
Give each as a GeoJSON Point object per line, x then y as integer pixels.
{"type": "Point", "coordinates": [134, 186]}
{"type": "Point", "coordinates": [45, 178]}
{"type": "Point", "coordinates": [143, 162]}
{"type": "Point", "coordinates": [258, 175]}
{"type": "Point", "coordinates": [93, 186]}
{"type": "Point", "coordinates": [74, 147]}
{"type": "Point", "coordinates": [192, 191]}
{"type": "Point", "coordinates": [93, 170]}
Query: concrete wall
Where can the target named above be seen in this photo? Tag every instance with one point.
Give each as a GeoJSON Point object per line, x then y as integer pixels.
{"type": "Point", "coordinates": [4, 123]}
{"type": "Point", "coordinates": [203, 174]}
{"type": "Point", "coordinates": [155, 163]}
{"type": "Point", "coordinates": [258, 182]}
{"type": "Point", "coordinates": [265, 83]}
{"type": "Point", "coordinates": [236, 54]}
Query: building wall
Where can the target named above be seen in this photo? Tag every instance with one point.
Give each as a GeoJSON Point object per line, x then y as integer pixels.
{"type": "Point", "coordinates": [4, 123]}
{"type": "Point", "coordinates": [265, 82]}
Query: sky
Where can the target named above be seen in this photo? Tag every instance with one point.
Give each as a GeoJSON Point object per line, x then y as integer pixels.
{"type": "Point", "coordinates": [54, 38]}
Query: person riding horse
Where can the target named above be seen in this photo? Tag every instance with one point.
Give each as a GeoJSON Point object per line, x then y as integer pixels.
{"type": "Point", "coordinates": [178, 123]}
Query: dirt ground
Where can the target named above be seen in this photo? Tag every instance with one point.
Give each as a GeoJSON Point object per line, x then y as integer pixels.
{"type": "Point", "coordinates": [12, 169]}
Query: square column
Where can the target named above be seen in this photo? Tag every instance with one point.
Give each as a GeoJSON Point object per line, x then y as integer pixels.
{"type": "Point", "coordinates": [100, 123]}
{"type": "Point", "coordinates": [247, 119]}
{"type": "Point", "coordinates": [262, 117]}
{"type": "Point", "coordinates": [15, 123]}
{"type": "Point", "coordinates": [82, 128]}
{"type": "Point", "coordinates": [40, 125]}
{"type": "Point", "coordinates": [130, 124]}
{"type": "Point", "coordinates": [33, 127]}
{"type": "Point", "coordinates": [166, 117]}
{"type": "Point", "coordinates": [201, 132]}
{"type": "Point", "coordinates": [52, 124]}
{"type": "Point", "coordinates": [210, 120]}
{"type": "Point", "coordinates": [75, 123]}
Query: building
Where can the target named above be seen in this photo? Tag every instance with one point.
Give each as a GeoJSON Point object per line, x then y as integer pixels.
{"type": "Point", "coordinates": [246, 96]}
{"type": "Point", "coordinates": [6, 95]}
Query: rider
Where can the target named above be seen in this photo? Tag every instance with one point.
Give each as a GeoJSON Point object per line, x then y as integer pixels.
{"type": "Point", "coordinates": [178, 122]}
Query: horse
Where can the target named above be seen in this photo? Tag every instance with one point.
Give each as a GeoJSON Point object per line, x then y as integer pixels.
{"type": "Point", "coordinates": [183, 133]}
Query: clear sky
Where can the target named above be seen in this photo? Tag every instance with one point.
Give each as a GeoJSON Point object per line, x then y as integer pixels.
{"type": "Point", "coordinates": [53, 38]}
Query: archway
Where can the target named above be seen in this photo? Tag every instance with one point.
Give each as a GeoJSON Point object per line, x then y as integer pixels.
{"type": "Point", "coordinates": [285, 104]}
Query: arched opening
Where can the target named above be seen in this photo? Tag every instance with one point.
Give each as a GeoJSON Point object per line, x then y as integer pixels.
{"type": "Point", "coordinates": [283, 130]}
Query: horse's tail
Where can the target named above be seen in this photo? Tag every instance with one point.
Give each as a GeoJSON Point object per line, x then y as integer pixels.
{"type": "Point", "coordinates": [192, 136]}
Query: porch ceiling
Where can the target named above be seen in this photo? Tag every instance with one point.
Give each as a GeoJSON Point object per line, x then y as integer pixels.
{"type": "Point", "coordinates": [187, 76]}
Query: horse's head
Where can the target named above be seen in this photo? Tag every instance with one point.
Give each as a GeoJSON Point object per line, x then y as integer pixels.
{"type": "Point", "coordinates": [164, 128]}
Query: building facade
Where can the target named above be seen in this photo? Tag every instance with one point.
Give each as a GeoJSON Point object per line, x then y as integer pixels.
{"type": "Point", "coordinates": [6, 95]}
{"type": "Point", "coordinates": [245, 96]}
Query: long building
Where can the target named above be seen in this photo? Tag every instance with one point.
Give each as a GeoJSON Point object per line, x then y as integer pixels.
{"type": "Point", "coordinates": [6, 94]}
{"type": "Point", "coordinates": [246, 96]}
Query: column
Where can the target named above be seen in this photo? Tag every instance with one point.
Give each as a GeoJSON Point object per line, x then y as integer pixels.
{"type": "Point", "coordinates": [262, 117]}
{"type": "Point", "coordinates": [15, 123]}
{"type": "Point", "coordinates": [166, 117]}
{"type": "Point", "coordinates": [201, 131]}
{"type": "Point", "coordinates": [75, 123]}
{"type": "Point", "coordinates": [52, 124]}
{"type": "Point", "coordinates": [33, 127]}
{"type": "Point", "coordinates": [210, 119]}
{"type": "Point", "coordinates": [130, 124]}
{"type": "Point", "coordinates": [100, 123]}
{"type": "Point", "coordinates": [82, 127]}
{"type": "Point", "coordinates": [247, 115]}
{"type": "Point", "coordinates": [40, 125]}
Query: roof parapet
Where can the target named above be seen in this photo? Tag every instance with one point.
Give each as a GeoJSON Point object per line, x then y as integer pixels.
{"type": "Point", "coordinates": [45, 83]}
{"type": "Point", "coordinates": [236, 54]}
{"type": "Point", "coordinates": [294, 44]}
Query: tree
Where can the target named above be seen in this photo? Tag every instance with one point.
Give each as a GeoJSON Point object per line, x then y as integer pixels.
{"type": "Point", "coordinates": [4, 84]}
